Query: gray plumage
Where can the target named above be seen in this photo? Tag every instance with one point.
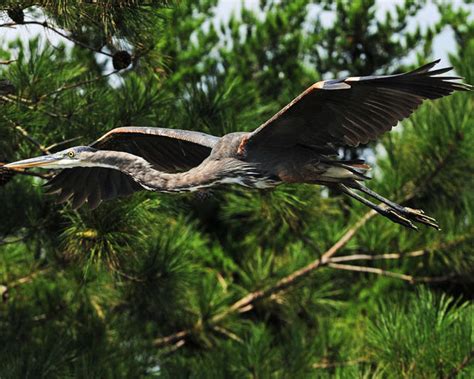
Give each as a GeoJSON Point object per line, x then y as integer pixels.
{"type": "Point", "coordinates": [297, 145]}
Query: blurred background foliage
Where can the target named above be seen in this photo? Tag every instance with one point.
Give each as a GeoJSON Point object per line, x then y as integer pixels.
{"type": "Point", "coordinates": [142, 286]}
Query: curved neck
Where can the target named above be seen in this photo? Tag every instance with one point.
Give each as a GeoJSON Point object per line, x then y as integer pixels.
{"type": "Point", "coordinates": [144, 174]}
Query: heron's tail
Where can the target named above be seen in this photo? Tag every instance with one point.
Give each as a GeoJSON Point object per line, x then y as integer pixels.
{"type": "Point", "coordinates": [343, 170]}
{"type": "Point", "coordinates": [397, 213]}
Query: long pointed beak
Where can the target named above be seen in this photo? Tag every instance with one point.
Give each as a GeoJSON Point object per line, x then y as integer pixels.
{"type": "Point", "coordinates": [42, 161]}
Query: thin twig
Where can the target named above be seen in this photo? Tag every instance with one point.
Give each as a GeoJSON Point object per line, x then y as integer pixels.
{"type": "Point", "coordinates": [28, 278]}
{"type": "Point", "coordinates": [368, 257]}
{"type": "Point", "coordinates": [54, 145]}
{"type": "Point", "coordinates": [9, 242]}
{"type": "Point", "coordinates": [172, 338]}
{"type": "Point", "coordinates": [29, 104]}
{"type": "Point", "coordinates": [416, 253]}
{"type": "Point", "coordinates": [78, 84]}
{"type": "Point", "coordinates": [25, 134]}
{"type": "Point", "coordinates": [353, 362]}
{"type": "Point", "coordinates": [5, 288]}
{"type": "Point", "coordinates": [46, 25]}
{"type": "Point", "coordinates": [129, 277]}
{"type": "Point", "coordinates": [391, 274]}
{"type": "Point", "coordinates": [227, 333]}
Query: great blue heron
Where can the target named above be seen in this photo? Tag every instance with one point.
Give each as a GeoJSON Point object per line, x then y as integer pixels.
{"type": "Point", "coordinates": [297, 145]}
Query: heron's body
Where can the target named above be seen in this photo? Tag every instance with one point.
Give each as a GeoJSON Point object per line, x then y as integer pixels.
{"type": "Point", "coordinates": [297, 145]}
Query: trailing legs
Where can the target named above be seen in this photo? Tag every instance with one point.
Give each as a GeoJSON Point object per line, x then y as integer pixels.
{"type": "Point", "coordinates": [401, 215]}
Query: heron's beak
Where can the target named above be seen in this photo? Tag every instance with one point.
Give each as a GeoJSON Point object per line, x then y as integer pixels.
{"type": "Point", "coordinates": [45, 161]}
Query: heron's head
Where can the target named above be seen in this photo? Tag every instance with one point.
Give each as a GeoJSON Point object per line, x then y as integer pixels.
{"type": "Point", "coordinates": [79, 156]}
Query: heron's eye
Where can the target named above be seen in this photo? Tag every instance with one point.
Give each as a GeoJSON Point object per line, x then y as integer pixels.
{"type": "Point", "coordinates": [71, 154]}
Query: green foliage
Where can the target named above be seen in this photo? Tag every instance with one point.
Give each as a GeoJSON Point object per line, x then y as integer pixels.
{"type": "Point", "coordinates": [93, 293]}
{"type": "Point", "coordinates": [426, 337]}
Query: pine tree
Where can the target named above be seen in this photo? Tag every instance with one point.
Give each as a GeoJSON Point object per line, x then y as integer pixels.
{"type": "Point", "coordinates": [293, 282]}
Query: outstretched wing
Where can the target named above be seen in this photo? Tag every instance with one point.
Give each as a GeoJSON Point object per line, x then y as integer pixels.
{"type": "Point", "coordinates": [353, 110]}
{"type": "Point", "coordinates": [168, 150]}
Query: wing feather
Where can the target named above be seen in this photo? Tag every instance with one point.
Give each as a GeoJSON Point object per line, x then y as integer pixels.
{"type": "Point", "coordinates": [353, 110]}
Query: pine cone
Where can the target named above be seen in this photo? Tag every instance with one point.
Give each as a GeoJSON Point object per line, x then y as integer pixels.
{"type": "Point", "coordinates": [121, 60]}
{"type": "Point", "coordinates": [17, 15]}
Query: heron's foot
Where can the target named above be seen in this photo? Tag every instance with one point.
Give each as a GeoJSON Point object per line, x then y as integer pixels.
{"type": "Point", "coordinates": [398, 218]}
{"type": "Point", "coordinates": [419, 216]}
{"type": "Point", "coordinates": [407, 216]}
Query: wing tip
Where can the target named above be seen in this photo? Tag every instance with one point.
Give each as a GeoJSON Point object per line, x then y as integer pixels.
{"type": "Point", "coordinates": [424, 68]}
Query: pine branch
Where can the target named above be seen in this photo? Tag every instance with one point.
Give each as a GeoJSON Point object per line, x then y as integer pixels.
{"type": "Point", "coordinates": [247, 302]}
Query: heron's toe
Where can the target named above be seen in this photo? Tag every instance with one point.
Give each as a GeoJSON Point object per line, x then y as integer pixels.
{"type": "Point", "coordinates": [419, 216]}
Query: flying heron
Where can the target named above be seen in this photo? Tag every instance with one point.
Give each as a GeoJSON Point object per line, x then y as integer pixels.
{"type": "Point", "coordinates": [297, 145]}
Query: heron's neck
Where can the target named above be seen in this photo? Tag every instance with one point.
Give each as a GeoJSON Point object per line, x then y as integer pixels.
{"type": "Point", "coordinates": [144, 174]}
